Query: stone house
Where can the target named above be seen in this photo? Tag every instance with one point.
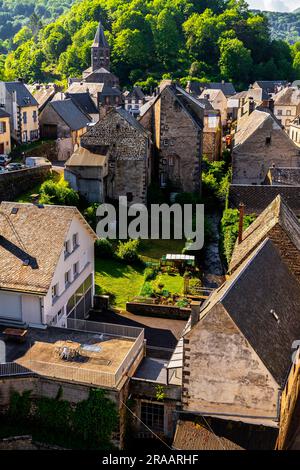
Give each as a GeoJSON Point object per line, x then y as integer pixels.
{"type": "Point", "coordinates": [259, 143]}
{"type": "Point", "coordinates": [237, 358]}
{"type": "Point", "coordinates": [175, 120]}
{"type": "Point", "coordinates": [212, 132]}
{"type": "Point", "coordinates": [65, 122]}
{"type": "Point", "coordinates": [269, 87]}
{"type": "Point", "coordinates": [87, 173]}
{"type": "Point", "coordinates": [18, 102]}
{"type": "Point", "coordinates": [41, 275]}
{"type": "Point", "coordinates": [218, 101]}
{"type": "Point", "coordinates": [119, 135]}
{"type": "Point", "coordinates": [134, 100]}
{"type": "Point", "coordinates": [287, 105]}
{"type": "Point", "coordinates": [294, 130]}
{"type": "Point", "coordinates": [5, 142]}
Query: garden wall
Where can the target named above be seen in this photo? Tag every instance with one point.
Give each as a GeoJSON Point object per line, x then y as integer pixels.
{"type": "Point", "coordinates": [158, 310]}
{"type": "Point", "coordinates": [15, 183]}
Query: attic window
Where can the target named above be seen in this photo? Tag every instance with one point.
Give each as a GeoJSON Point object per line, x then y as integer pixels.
{"type": "Point", "coordinates": [268, 140]}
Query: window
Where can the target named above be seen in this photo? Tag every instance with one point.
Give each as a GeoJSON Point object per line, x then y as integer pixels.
{"type": "Point", "coordinates": [67, 278]}
{"type": "Point", "coordinates": [34, 135]}
{"type": "Point", "coordinates": [55, 291]}
{"type": "Point", "coordinates": [2, 127]}
{"type": "Point", "coordinates": [76, 269]}
{"type": "Point", "coordinates": [75, 241]}
{"type": "Point", "coordinates": [268, 140]}
{"type": "Point", "coordinates": [25, 117]}
{"type": "Point", "coordinates": [67, 248]}
{"type": "Point", "coordinates": [153, 416]}
{"type": "Point", "coordinates": [288, 112]}
{"type": "Point", "coordinates": [34, 116]}
{"type": "Point", "coordinates": [279, 112]}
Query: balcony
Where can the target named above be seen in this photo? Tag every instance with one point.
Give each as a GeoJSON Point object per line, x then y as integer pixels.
{"type": "Point", "coordinates": [105, 354]}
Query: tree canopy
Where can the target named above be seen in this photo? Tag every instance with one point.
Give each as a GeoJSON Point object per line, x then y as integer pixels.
{"type": "Point", "coordinates": [199, 39]}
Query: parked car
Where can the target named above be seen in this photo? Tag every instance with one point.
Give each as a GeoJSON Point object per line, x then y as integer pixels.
{"type": "Point", "coordinates": [15, 166]}
{"type": "Point", "coordinates": [4, 160]}
{"type": "Point", "coordinates": [37, 161]}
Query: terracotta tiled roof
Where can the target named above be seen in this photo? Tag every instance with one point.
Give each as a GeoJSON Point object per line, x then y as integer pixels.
{"type": "Point", "coordinates": [31, 242]}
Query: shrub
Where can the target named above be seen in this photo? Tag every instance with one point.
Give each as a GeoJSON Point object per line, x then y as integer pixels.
{"type": "Point", "coordinates": [90, 214]}
{"type": "Point", "coordinates": [128, 252]}
{"type": "Point", "coordinates": [20, 405]}
{"type": "Point", "coordinates": [229, 231]}
{"type": "Point", "coordinates": [183, 303]}
{"type": "Point", "coordinates": [104, 248]}
{"type": "Point", "coordinates": [147, 290]}
{"type": "Point", "coordinates": [150, 274]}
{"type": "Point", "coordinates": [58, 193]}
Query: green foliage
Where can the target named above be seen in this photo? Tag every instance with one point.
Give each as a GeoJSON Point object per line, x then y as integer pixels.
{"type": "Point", "coordinates": [229, 230]}
{"type": "Point", "coordinates": [207, 39]}
{"type": "Point", "coordinates": [160, 394]}
{"type": "Point", "coordinates": [150, 274]}
{"type": "Point", "coordinates": [55, 414]}
{"type": "Point", "coordinates": [20, 405]}
{"type": "Point", "coordinates": [58, 193]}
{"type": "Point", "coordinates": [90, 215]}
{"type": "Point", "coordinates": [147, 290]}
{"type": "Point", "coordinates": [95, 419]}
{"type": "Point", "coordinates": [128, 251]}
{"type": "Point", "coordinates": [104, 249]}
{"type": "Point", "coordinates": [216, 177]}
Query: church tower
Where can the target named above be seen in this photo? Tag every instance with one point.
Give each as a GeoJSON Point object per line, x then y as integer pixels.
{"type": "Point", "coordinates": [100, 50]}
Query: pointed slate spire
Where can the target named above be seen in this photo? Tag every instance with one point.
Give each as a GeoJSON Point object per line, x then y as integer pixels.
{"type": "Point", "coordinates": [100, 50]}
{"type": "Point", "coordinates": [100, 39]}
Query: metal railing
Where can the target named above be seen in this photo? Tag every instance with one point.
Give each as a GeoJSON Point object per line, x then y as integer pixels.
{"type": "Point", "coordinates": [109, 329]}
{"type": "Point", "coordinates": [70, 373]}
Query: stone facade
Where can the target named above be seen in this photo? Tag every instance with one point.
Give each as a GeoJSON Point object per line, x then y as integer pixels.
{"type": "Point", "coordinates": [178, 138]}
{"type": "Point", "coordinates": [260, 143]}
{"type": "Point", "coordinates": [17, 182]}
{"type": "Point", "coordinates": [129, 163]}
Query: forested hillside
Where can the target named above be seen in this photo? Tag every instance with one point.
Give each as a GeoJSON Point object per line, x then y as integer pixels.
{"type": "Point", "coordinates": [14, 14]}
{"type": "Point", "coordinates": [203, 39]}
{"type": "Point", "coordinates": [285, 26]}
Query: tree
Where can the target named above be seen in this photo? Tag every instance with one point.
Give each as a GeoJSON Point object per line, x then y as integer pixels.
{"type": "Point", "coordinates": [235, 60]}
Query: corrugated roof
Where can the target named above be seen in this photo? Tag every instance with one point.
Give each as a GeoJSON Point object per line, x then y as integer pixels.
{"type": "Point", "coordinates": [25, 236]}
{"type": "Point", "coordinates": [83, 157]}
{"type": "Point", "coordinates": [71, 114]}
{"type": "Point", "coordinates": [24, 97]}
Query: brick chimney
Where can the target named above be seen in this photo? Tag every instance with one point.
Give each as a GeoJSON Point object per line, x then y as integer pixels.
{"type": "Point", "coordinates": [241, 222]}
{"type": "Point", "coordinates": [195, 312]}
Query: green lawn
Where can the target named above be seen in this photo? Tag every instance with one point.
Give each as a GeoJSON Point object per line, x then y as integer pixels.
{"type": "Point", "coordinates": [174, 284]}
{"type": "Point", "coordinates": [122, 282]}
{"type": "Point", "coordinates": [153, 250]}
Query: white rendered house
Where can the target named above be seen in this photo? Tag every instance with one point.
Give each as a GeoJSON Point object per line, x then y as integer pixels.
{"type": "Point", "coordinates": [46, 264]}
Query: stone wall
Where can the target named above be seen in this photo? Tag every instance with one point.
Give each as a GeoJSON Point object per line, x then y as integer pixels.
{"type": "Point", "coordinates": [160, 311]}
{"type": "Point", "coordinates": [15, 183]}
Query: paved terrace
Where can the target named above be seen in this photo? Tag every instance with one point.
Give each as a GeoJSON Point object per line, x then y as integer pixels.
{"type": "Point", "coordinates": [106, 352]}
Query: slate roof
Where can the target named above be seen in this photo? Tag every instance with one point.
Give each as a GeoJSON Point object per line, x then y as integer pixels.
{"type": "Point", "coordinates": [257, 197]}
{"type": "Point", "coordinates": [4, 114]}
{"type": "Point", "coordinates": [289, 96]}
{"type": "Point", "coordinates": [84, 102]}
{"type": "Point", "coordinates": [261, 285]}
{"type": "Point", "coordinates": [100, 39]}
{"type": "Point", "coordinates": [135, 93]}
{"type": "Point", "coordinates": [197, 87]}
{"type": "Point", "coordinates": [26, 236]}
{"type": "Point", "coordinates": [278, 212]}
{"type": "Point", "coordinates": [284, 176]}
{"type": "Point", "coordinates": [132, 121]}
{"type": "Point", "coordinates": [24, 97]}
{"type": "Point", "coordinates": [270, 85]}
{"type": "Point", "coordinates": [193, 106]}
{"type": "Point", "coordinates": [211, 93]}
{"type": "Point", "coordinates": [42, 93]}
{"type": "Point", "coordinates": [192, 436]}
{"type": "Point", "coordinates": [83, 87]}
{"type": "Point", "coordinates": [71, 114]}
{"type": "Point", "coordinates": [248, 124]}
{"type": "Point", "coordinates": [83, 157]}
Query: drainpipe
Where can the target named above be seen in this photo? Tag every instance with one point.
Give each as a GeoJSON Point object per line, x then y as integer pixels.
{"type": "Point", "coordinates": [241, 222]}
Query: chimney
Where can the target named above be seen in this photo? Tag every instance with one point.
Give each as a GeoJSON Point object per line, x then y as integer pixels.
{"type": "Point", "coordinates": [241, 222]}
{"type": "Point", "coordinates": [195, 312]}
{"type": "Point", "coordinates": [251, 105]}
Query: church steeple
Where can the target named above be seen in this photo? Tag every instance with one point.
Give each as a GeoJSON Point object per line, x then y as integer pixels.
{"type": "Point", "coordinates": [100, 50]}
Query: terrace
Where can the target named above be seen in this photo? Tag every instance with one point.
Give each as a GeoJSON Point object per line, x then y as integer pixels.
{"type": "Point", "coordinates": [98, 354]}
